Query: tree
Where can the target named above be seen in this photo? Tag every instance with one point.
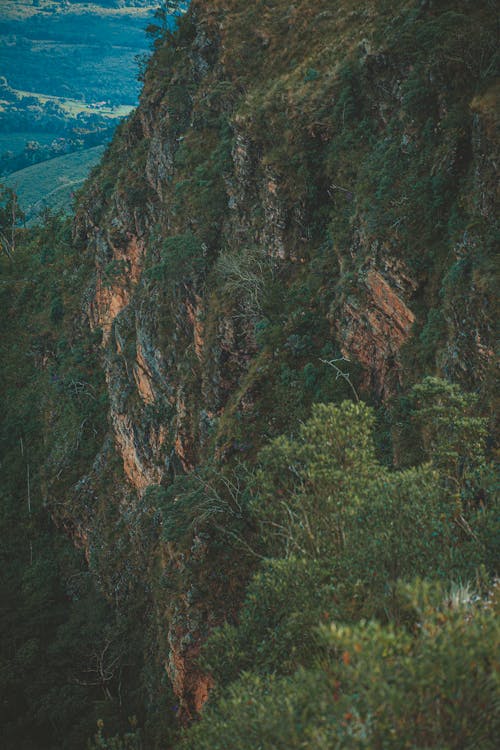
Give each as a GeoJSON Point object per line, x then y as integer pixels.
{"type": "Point", "coordinates": [168, 8]}
{"type": "Point", "coordinates": [453, 435]}
{"type": "Point", "coordinates": [311, 484]}
{"type": "Point", "coordinates": [10, 216]}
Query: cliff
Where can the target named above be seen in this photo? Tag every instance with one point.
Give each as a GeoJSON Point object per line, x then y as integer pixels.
{"type": "Point", "coordinates": [299, 184]}
{"type": "Point", "coordinates": [301, 209]}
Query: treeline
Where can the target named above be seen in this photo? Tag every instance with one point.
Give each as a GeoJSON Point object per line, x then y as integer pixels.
{"type": "Point", "coordinates": [35, 152]}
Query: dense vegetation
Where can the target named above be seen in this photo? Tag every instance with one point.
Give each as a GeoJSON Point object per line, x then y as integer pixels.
{"type": "Point", "coordinates": [65, 652]}
{"type": "Point", "coordinates": [326, 525]}
{"type": "Point", "coordinates": [372, 621]}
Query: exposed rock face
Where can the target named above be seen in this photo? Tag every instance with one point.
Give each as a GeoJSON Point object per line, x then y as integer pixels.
{"type": "Point", "coordinates": [180, 354]}
{"type": "Point", "coordinates": [472, 312]}
{"type": "Point", "coordinates": [191, 686]}
{"type": "Point", "coordinates": [113, 294]}
{"type": "Point", "coordinates": [374, 332]}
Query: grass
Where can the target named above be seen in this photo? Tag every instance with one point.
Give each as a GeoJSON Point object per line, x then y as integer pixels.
{"type": "Point", "coordinates": [52, 183]}
{"type": "Point", "coordinates": [20, 10]}
{"type": "Point", "coordinates": [74, 107]}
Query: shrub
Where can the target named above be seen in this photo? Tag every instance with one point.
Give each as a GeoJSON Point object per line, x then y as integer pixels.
{"type": "Point", "coordinates": [310, 485]}
{"type": "Point", "coordinates": [453, 436]}
{"type": "Point", "coordinates": [375, 686]}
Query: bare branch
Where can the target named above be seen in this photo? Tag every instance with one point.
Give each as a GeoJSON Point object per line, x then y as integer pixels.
{"type": "Point", "coordinates": [340, 373]}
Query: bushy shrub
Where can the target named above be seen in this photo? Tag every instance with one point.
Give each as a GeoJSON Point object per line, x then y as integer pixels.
{"type": "Point", "coordinates": [276, 628]}
{"type": "Point", "coordinates": [336, 645]}
{"type": "Point", "coordinates": [309, 486]}
{"type": "Point", "coordinates": [182, 260]}
{"type": "Point", "coordinates": [375, 686]}
{"type": "Point", "coordinates": [453, 436]}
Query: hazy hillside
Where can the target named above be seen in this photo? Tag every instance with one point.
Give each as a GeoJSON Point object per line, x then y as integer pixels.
{"type": "Point", "coordinates": [52, 184]}
{"type": "Point", "coordinates": [75, 50]}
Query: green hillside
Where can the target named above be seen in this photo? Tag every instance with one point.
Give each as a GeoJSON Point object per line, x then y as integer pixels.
{"type": "Point", "coordinates": [17, 141]}
{"type": "Point", "coordinates": [69, 71]}
{"type": "Point", "coordinates": [53, 182]}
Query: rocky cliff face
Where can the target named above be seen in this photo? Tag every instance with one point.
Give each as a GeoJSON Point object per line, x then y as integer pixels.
{"type": "Point", "coordinates": [274, 202]}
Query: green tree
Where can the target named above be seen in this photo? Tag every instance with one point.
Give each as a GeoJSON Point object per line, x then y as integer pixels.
{"type": "Point", "coordinates": [10, 218]}
{"type": "Point", "coordinates": [453, 434]}
{"type": "Point", "coordinates": [310, 485]}
{"type": "Point", "coordinates": [162, 19]}
{"type": "Point", "coordinates": [383, 687]}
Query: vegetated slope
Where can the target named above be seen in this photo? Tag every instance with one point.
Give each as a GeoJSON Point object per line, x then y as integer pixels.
{"type": "Point", "coordinates": [52, 183]}
{"type": "Point", "coordinates": [293, 240]}
{"type": "Point", "coordinates": [70, 70]}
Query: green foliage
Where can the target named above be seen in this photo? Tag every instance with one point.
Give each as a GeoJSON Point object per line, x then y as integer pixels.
{"type": "Point", "coordinates": [64, 651]}
{"type": "Point", "coordinates": [182, 261]}
{"type": "Point", "coordinates": [208, 501]}
{"type": "Point", "coordinates": [129, 741]}
{"type": "Point", "coordinates": [10, 214]}
{"type": "Point", "coordinates": [432, 335]}
{"type": "Point", "coordinates": [343, 534]}
{"type": "Point", "coordinates": [349, 141]}
{"type": "Point", "coordinates": [409, 527]}
{"type": "Point", "coordinates": [52, 183]}
{"type": "Point", "coordinates": [202, 161]}
{"type": "Point", "coordinates": [310, 486]}
{"type": "Point", "coordinates": [377, 686]}
{"type": "Point", "coordinates": [163, 20]}
{"type": "Point", "coordinates": [276, 627]}
{"type": "Point", "coordinates": [103, 42]}
{"type": "Point", "coordinates": [453, 435]}
{"type": "Point", "coordinates": [311, 75]}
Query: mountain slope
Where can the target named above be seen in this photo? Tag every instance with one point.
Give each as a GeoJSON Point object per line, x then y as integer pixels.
{"type": "Point", "coordinates": [298, 185]}
{"type": "Point", "coordinates": [299, 217]}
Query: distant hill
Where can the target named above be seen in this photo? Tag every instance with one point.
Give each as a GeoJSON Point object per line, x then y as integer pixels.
{"type": "Point", "coordinates": [52, 183]}
{"type": "Point", "coordinates": [69, 73]}
{"type": "Point", "coordinates": [81, 51]}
